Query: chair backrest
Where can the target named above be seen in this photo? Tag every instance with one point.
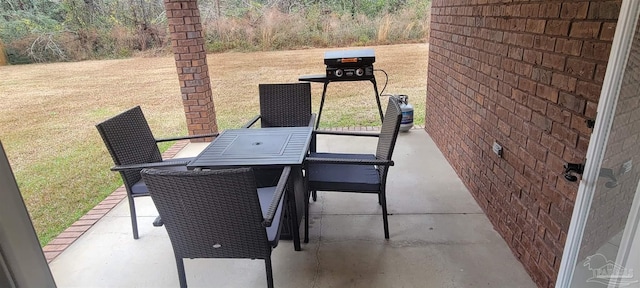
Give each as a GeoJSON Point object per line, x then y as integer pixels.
{"type": "Point", "coordinates": [210, 214]}
{"type": "Point", "coordinates": [129, 141]}
{"type": "Point", "coordinates": [285, 105]}
{"type": "Point", "coordinates": [389, 133]}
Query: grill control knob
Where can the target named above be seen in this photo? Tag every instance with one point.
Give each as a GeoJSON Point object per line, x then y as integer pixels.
{"type": "Point", "coordinates": [359, 72]}
{"type": "Point", "coordinates": [339, 73]}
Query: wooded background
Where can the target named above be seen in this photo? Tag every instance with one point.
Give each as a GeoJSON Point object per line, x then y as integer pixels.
{"type": "Point", "coordinates": [71, 30]}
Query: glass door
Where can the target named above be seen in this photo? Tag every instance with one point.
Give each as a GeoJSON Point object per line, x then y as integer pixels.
{"type": "Point", "coordinates": [22, 263]}
{"type": "Point", "coordinates": [602, 247]}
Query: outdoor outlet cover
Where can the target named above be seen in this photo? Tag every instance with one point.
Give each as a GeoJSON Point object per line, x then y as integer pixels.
{"type": "Point", "coordinates": [497, 149]}
{"type": "Point", "coordinates": [626, 167]}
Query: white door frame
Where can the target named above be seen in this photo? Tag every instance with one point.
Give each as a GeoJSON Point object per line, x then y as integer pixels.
{"type": "Point", "coordinates": [595, 153]}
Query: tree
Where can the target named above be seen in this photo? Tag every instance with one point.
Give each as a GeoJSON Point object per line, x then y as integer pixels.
{"type": "Point", "coordinates": [3, 55]}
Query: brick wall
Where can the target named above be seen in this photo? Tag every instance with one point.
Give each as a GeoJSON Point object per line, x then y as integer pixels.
{"type": "Point", "coordinates": [525, 74]}
{"type": "Point", "coordinates": [187, 41]}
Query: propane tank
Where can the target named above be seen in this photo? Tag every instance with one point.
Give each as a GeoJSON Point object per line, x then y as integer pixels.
{"type": "Point", "coordinates": [407, 113]}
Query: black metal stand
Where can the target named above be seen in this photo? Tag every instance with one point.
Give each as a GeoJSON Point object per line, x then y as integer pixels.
{"type": "Point", "coordinates": [321, 78]}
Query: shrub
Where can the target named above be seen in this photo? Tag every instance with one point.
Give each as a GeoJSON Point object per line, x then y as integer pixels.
{"type": "Point", "coordinates": [79, 29]}
{"type": "Point", "coordinates": [319, 25]}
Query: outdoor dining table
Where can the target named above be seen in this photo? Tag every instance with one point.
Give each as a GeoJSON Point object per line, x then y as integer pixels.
{"type": "Point", "coordinates": [264, 148]}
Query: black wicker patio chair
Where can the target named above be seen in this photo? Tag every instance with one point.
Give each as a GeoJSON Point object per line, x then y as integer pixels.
{"type": "Point", "coordinates": [284, 105]}
{"type": "Point", "coordinates": [362, 173]}
{"type": "Point", "coordinates": [218, 214]}
{"type": "Point", "coordinates": [133, 147]}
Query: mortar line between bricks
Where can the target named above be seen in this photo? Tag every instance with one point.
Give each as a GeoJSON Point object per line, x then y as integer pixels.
{"type": "Point", "coordinates": [52, 250]}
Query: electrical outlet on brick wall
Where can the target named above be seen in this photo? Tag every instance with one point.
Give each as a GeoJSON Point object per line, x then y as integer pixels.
{"type": "Point", "coordinates": [497, 148]}
{"type": "Point", "coordinates": [626, 167]}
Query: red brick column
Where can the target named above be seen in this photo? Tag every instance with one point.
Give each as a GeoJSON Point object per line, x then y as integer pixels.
{"type": "Point", "coordinates": [187, 40]}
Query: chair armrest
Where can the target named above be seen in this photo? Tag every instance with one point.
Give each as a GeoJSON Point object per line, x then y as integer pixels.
{"type": "Point", "coordinates": [187, 137]}
{"type": "Point", "coordinates": [344, 133]}
{"type": "Point", "coordinates": [251, 122]}
{"type": "Point", "coordinates": [277, 196]}
{"type": "Point", "coordinates": [320, 160]}
{"type": "Point", "coordinates": [149, 165]}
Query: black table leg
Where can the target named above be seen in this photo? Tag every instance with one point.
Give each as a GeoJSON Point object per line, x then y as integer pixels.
{"type": "Point", "coordinates": [324, 93]}
{"type": "Point", "coordinates": [375, 88]}
{"type": "Point", "coordinates": [296, 195]}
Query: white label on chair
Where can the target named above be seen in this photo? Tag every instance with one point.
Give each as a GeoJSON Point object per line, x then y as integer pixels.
{"type": "Point", "coordinates": [216, 246]}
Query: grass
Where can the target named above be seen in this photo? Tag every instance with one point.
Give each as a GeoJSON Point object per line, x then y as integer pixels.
{"type": "Point", "coordinates": [48, 113]}
{"type": "Point", "coordinates": [317, 25]}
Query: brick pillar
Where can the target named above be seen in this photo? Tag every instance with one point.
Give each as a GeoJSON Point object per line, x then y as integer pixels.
{"type": "Point", "coordinates": [187, 40]}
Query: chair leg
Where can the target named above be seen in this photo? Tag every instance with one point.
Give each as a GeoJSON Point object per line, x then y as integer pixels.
{"type": "Point", "coordinates": [158, 222]}
{"type": "Point", "coordinates": [306, 216]}
{"type": "Point", "coordinates": [134, 220]}
{"type": "Point", "coordinates": [312, 146]}
{"type": "Point", "coordinates": [267, 264]}
{"type": "Point", "coordinates": [181, 275]}
{"type": "Point", "coordinates": [385, 221]}
{"type": "Point", "coordinates": [306, 186]}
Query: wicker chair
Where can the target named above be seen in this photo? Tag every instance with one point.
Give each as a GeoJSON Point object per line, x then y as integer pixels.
{"type": "Point", "coordinates": [133, 147]}
{"type": "Point", "coordinates": [284, 105]}
{"type": "Point", "coordinates": [218, 214]}
{"type": "Point", "coordinates": [362, 173]}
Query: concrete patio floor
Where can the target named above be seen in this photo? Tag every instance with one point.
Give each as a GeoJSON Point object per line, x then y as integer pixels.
{"type": "Point", "coordinates": [439, 238]}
